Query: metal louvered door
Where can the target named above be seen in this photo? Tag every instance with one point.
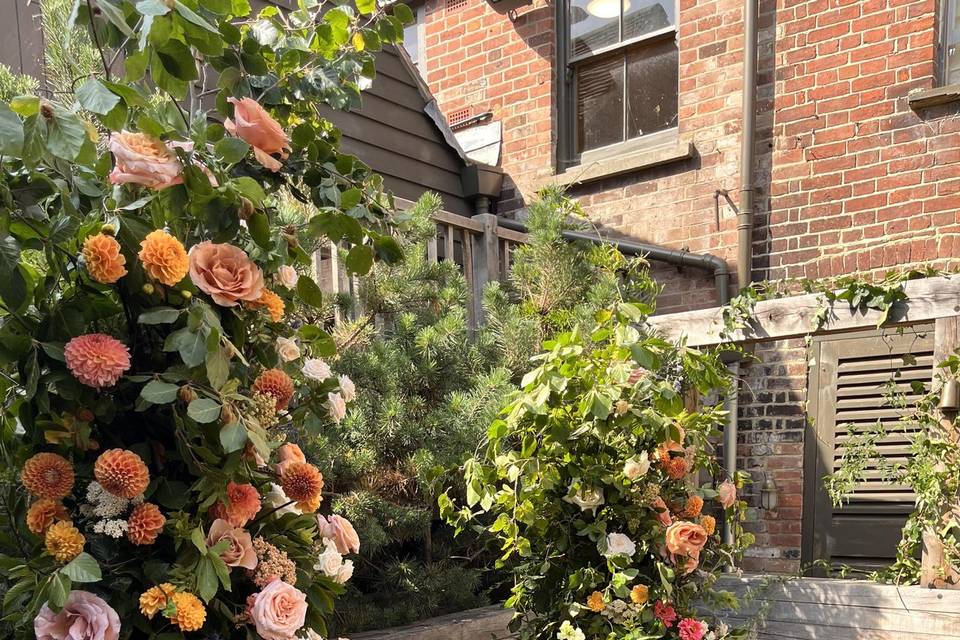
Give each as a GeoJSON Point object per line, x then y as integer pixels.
{"type": "Point", "coordinates": [851, 377]}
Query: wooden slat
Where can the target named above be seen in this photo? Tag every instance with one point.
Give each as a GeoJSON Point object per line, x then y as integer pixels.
{"type": "Point", "coordinates": [927, 299]}
{"type": "Point", "coordinates": [448, 253]}
{"type": "Point", "coordinates": [385, 162]}
{"type": "Point", "coordinates": [517, 237]}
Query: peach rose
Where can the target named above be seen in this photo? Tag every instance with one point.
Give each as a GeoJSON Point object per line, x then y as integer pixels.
{"type": "Point", "coordinates": [225, 272]}
{"type": "Point", "coordinates": [663, 514]}
{"type": "Point", "coordinates": [686, 539]}
{"type": "Point", "coordinates": [288, 276]}
{"type": "Point", "coordinates": [278, 611]}
{"type": "Point", "coordinates": [145, 160]}
{"type": "Point", "coordinates": [727, 494]}
{"type": "Point", "coordinates": [287, 455]}
{"type": "Point", "coordinates": [240, 551]}
{"type": "Point", "coordinates": [341, 532]}
{"type": "Point", "coordinates": [252, 124]}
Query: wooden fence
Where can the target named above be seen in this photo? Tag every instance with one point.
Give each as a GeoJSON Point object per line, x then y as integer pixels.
{"type": "Point", "coordinates": [479, 246]}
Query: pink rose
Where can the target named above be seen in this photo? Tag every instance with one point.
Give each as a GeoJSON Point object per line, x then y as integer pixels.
{"type": "Point", "coordinates": [84, 617]}
{"type": "Point", "coordinates": [727, 494]}
{"type": "Point", "coordinates": [278, 611]}
{"type": "Point", "coordinates": [340, 531]}
{"type": "Point", "coordinates": [287, 455]}
{"type": "Point", "coordinates": [148, 161]}
{"type": "Point", "coordinates": [252, 124]}
{"type": "Point", "coordinates": [663, 514]}
{"type": "Point", "coordinates": [225, 272]}
{"type": "Point", "coordinates": [240, 551]}
{"type": "Point", "coordinates": [686, 539]}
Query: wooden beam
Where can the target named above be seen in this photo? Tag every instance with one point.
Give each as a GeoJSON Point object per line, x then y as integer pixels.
{"type": "Point", "coordinates": [793, 317]}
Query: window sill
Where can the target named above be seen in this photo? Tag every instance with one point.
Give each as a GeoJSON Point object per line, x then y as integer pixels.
{"type": "Point", "coordinates": [628, 163]}
{"type": "Point", "coordinates": [933, 97]}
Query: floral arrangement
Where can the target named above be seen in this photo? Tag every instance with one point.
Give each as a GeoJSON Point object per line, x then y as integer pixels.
{"type": "Point", "coordinates": [591, 476]}
{"type": "Point", "coordinates": [159, 344]}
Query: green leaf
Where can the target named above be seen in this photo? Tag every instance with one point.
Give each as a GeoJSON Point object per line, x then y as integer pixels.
{"type": "Point", "coordinates": [207, 582]}
{"type": "Point", "coordinates": [259, 226]}
{"type": "Point", "coordinates": [366, 7]}
{"type": "Point", "coordinates": [203, 410]}
{"type": "Point", "coordinates": [359, 259]}
{"type": "Point", "coordinates": [159, 392]}
{"type": "Point", "coordinates": [66, 134]}
{"type": "Point", "coordinates": [222, 570]}
{"type": "Point", "coordinates": [309, 292]}
{"type": "Point", "coordinates": [11, 132]}
{"type": "Point", "coordinates": [153, 8]}
{"type": "Point", "coordinates": [403, 13]}
{"type": "Point", "coordinates": [13, 289]}
{"type": "Point", "coordinates": [233, 437]}
{"type": "Point", "coordinates": [95, 97]}
{"type": "Point", "coordinates": [83, 568]}
{"type": "Point", "coordinates": [115, 16]}
{"type": "Point", "coordinates": [198, 540]}
{"type": "Point", "coordinates": [191, 16]}
{"type": "Point", "coordinates": [231, 149]}
{"type": "Point", "coordinates": [218, 367]}
{"type": "Point", "coordinates": [250, 188]}
{"type": "Point", "coordinates": [160, 315]}
{"type": "Point", "coordinates": [25, 106]}
{"type": "Point", "coordinates": [58, 590]}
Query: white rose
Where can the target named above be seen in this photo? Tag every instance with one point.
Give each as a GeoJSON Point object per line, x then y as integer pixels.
{"type": "Point", "coordinates": [336, 407]}
{"type": "Point", "coordinates": [619, 544]}
{"type": "Point", "coordinates": [316, 369]}
{"type": "Point", "coordinates": [636, 467]}
{"type": "Point", "coordinates": [275, 498]}
{"type": "Point", "coordinates": [587, 498]}
{"type": "Point", "coordinates": [347, 389]}
{"type": "Point", "coordinates": [287, 349]}
{"type": "Point", "coordinates": [345, 573]}
{"type": "Point", "coordinates": [288, 276]}
{"type": "Point", "coordinates": [330, 561]}
{"type": "Point", "coordinates": [569, 632]}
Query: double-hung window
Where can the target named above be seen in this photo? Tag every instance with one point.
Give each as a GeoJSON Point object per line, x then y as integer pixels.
{"type": "Point", "coordinates": [620, 75]}
{"type": "Point", "coordinates": [951, 41]}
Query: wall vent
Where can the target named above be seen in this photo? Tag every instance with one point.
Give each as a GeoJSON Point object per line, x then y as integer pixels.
{"type": "Point", "coordinates": [458, 116]}
{"type": "Point", "coordinates": [456, 5]}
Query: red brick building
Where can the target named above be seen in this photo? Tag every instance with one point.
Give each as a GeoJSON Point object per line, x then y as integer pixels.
{"type": "Point", "coordinates": [637, 106]}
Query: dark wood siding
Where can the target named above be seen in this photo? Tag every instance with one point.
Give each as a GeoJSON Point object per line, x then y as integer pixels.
{"type": "Point", "coordinates": [21, 47]}
{"type": "Point", "coordinates": [849, 379]}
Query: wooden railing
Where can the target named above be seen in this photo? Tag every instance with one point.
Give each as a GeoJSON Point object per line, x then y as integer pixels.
{"type": "Point", "coordinates": [479, 246]}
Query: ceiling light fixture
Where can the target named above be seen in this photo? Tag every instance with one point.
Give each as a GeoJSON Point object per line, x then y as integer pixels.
{"type": "Point", "coordinates": [607, 9]}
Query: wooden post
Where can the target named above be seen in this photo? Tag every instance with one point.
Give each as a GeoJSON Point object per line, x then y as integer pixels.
{"type": "Point", "coordinates": [432, 248]}
{"type": "Point", "coordinates": [472, 299]}
{"type": "Point", "coordinates": [935, 573]}
{"type": "Point", "coordinates": [486, 259]}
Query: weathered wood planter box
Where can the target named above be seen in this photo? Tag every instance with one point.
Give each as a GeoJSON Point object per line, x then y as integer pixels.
{"type": "Point", "coordinates": [804, 609]}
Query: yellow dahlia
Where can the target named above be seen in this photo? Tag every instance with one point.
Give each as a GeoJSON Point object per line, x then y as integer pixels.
{"type": "Point", "coordinates": [101, 253]}
{"type": "Point", "coordinates": [155, 599]}
{"type": "Point", "coordinates": [164, 258]}
{"type": "Point", "coordinates": [693, 507]}
{"type": "Point", "coordinates": [709, 524]}
{"type": "Point", "coordinates": [43, 513]}
{"type": "Point", "coordinates": [121, 473]}
{"type": "Point", "coordinates": [145, 524]}
{"type": "Point", "coordinates": [48, 475]}
{"type": "Point", "coordinates": [190, 614]}
{"type": "Point", "coordinates": [64, 541]}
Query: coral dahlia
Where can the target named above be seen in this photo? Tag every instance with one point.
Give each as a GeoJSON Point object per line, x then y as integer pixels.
{"type": "Point", "coordinates": [145, 524]}
{"type": "Point", "coordinates": [595, 602]}
{"type": "Point", "coordinates": [48, 475]}
{"type": "Point", "coordinates": [164, 258]}
{"type": "Point", "coordinates": [276, 383]}
{"type": "Point", "coordinates": [96, 359]}
{"type": "Point", "coordinates": [121, 473]}
{"type": "Point", "coordinates": [64, 541]}
{"type": "Point", "coordinates": [101, 254]}
{"type": "Point", "coordinates": [693, 507]}
{"type": "Point", "coordinates": [43, 513]}
{"type": "Point", "coordinates": [302, 481]}
{"type": "Point", "coordinates": [244, 504]}
{"type": "Point", "coordinates": [709, 524]}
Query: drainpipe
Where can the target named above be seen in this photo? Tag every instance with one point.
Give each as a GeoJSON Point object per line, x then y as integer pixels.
{"type": "Point", "coordinates": [703, 261]}
{"type": "Point", "coordinates": [748, 141]}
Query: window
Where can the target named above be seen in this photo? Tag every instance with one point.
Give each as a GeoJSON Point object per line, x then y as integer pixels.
{"type": "Point", "coordinates": [622, 74]}
{"type": "Point", "coordinates": [951, 41]}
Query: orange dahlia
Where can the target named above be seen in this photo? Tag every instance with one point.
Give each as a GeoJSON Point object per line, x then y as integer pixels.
{"type": "Point", "coordinates": [96, 359]}
{"type": "Point", "coordinates": [272, 302]}
{"type": "Point", "coordinates": [155, 599]}
{"type": "Point", "coordinates": [190, 614]}
{"type": "Point", "coordinates": [164, 258]}
{"type": "Point", "coordinates": [64, 541]}
{"type": "Point", "coordinates": [101, 253]}
{"type": "Point", "coordinates": [639, 594]}
{"type": "Point", "coordinates": [122, 473]}
{"type": "Point", "coordinates": [709, 524]}
{"type": "Point", "coordinates": [302, 481]}
{"type": "Point", "coordinates": [43, 513]}
{"type": "Point", "coordinates": [676, 468]}
{"type": "Point", "coordinates": [47, 475]}
{"type": "Point", "coordinates": [693, 507]}
{"type": "Point", "coordinates": [145, 524]}
{"type": "Point", "coordinates": [276, 383]}
{"type": "Point", "coordinates": [244, 503]}
{"type": "Point", "coordinates": [595, 602]}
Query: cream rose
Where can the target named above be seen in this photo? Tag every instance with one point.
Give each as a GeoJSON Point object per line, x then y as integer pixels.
{"type": "Point", "coordinates": [336, 406]}
{"type": "Point", "coordinates": [636, 467]}
{"type": "Point", "coordinates": [727, 494]}
{"type": "Point", "coordinates": [587, 498]}
{"type": "Point", "coordinates": [226, 273]}
{"type": "Point", "coordinates": [619, 544]}
{"type": "Point", "coordinates": [347, 389]}
{"type": "Point", "coordinates": [316, 369]}
{"type": "Point", "coordinates": [288, 276]}
{"type": "Point", "coordinates": [240, 551]}
{"type": "Point", "coordinates": [278, 611]}
{"type": "Point", "coordinates": [252, 124]}
{"type": "Point", "coordinates": [287, 349]}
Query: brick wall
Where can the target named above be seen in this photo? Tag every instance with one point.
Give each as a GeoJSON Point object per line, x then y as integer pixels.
{"type": "Point", "coordinates": [849, 178]}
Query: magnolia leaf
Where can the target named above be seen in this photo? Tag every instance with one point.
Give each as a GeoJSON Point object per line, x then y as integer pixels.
{"type": "Point", "coordinates": [58, 590]}
{"type": "Point", "coordinates": [233, 437]}
{"type": "Point", "coordinates": [83, 568]}
{"type": "Point", "coordinates": [259, 226]}
{"type": "Point", "coordinates": [26, 106]}
{"type": "Point", "coordinates": [116, 17]}
{"type": "Point", "coordinates": [309, 292]}
{"type": "Point", "coordinates": [159, 315]}
{"type": "Point", "coordinates": [218, 367]}
{"type": "Point", "coordinates": [11, 132]}
{"type": "Point", "coordinates": [66, 134]}
{"type": "Point", "coordinates": [359, 259]}
{"type": "Point", "coordinates": [159, 392]}
{"type": "Point", "coordinates": [207, 582]}
{"type": "Point", "coordinates": [191, 16]}
{"type": "Point", "coordinates": [95, 97]}
{"type": "Point", "coordinates": [231, 149]}
{"type": "Point", "coordinates": [203, 410]}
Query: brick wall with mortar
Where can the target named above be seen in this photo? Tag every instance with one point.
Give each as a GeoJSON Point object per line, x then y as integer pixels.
{"type": "Point", "coordinates": [849, 178]}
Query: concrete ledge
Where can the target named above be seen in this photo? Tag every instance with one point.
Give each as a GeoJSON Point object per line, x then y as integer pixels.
{"type": "Point", "coordinates": [488, 623]}
{"type": "Point", "coordinates": [619, 165]}
{"type": "Point", "coordinates": [923, 98]}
